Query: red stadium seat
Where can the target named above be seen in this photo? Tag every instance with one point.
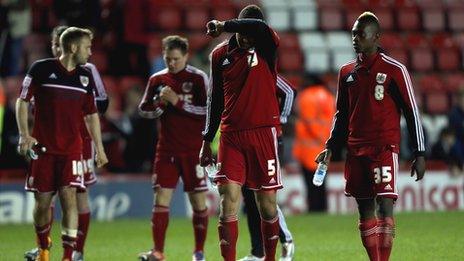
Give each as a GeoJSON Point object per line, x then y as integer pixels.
{"type": "Point", "coordinates": [111, 84]}
{"type": "Point", "coordinates": [197, 41]}
{"type": "Point", "coordinates": [385, 16]}
{"type": "Point", "coordinates": [391, 41]}
{"type": "Point", "coordinates": [401, 55]}
{"type": "Point", "coordinates": [128, 82]}
{"type": "Point", "coordinates": [455, 19]}
{"type": "Point", "coordinates": [100, 60]}
{"type": "Point", "coordinates": [291, 60]}
{"type": "Point", "coordinates": [448, 59]}
{"type": "Point", "coordinates": [433, 19]}
{"type": "Point", "coordinates": [442, 40]}
{"type": "Point", "coordinates": [295, 79]}
{"type": "Point", "coordinates": [408, 19]}
{"type": "Point", "coordinates": [422, 59]}
{"type": "Point", "coordinates": [431, 83]}
{"type": "Point", "coordinates": [289, 41]}
{"type": "Point", "coordinates": [196, 18]}
{"type": "Point", "coordinates": [417, 40]}
{"type": "Point", "coordinates": [224, 13]}
{"type": "Point", "coordinates": [154, 46]}
{"type": "Point", "coordinates": [330, 19]}
{"type": "Point", "coordinates": [166, 18]}
{"type": "Point", "coordinates": [454, 81]}
{"type": "Point", "coordinates": [437, 102]}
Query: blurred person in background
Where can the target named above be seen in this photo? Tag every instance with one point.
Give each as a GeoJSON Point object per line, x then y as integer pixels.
{"type": "Point", "coordinates": [456, 117]}
{"type": "Point", "coordinates": [314, 109]}
{"type": "Point", "coordinates": [88, 155]}
{"type": "Point", "coordinates": [63, 93]}
{"type": "Point", "coordinates": [177, 96]}
{"type": "Point", "coordinates": [449, 149]}
{"type": "Point", "coordinates": [373, 91]}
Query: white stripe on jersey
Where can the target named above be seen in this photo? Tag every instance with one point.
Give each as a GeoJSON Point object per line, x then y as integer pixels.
{"type": "Point", "coordinates": [100, 94]}
{"type": "Point", "coordinates": [407, 80]}
{"type": "Point", "coordinates": [64, 87]}
{"type": "Point", "coordinates": [286, 110]}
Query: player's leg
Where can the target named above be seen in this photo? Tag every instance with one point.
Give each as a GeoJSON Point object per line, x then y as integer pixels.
{"type": "Point", "coordinates": [199, 222]}
{"type": "Point", "coordinates": [368, 227]}
{"type": "Point", "coordinates": [160, 217]}
{"type": "Point", "coordinates": [254, 225]}
{"type": "Point", "coordinates": [83, 209]}
{"type": "Point", "coordinates": [69, 222]}
{"type": "Point", "coordinates": [228, 219]}
{"type": "Point", "coordinates": [41, 215]}
{"type": "Point", "coordinates": [386, 226]}
{"type": "Point", "coordinates": [34, 253]}
{"type": "Point", "coordinates": [286, 238]}
{"type": "Point", "coordinates": [267, 205]}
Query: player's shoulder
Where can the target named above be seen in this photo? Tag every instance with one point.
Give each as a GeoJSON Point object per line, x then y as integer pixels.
{"type": "Point", "coordinates": [44, 63]}
{"type": "Point", "coordinates": [221, 48]}
{"type": "Point", "coordinates": [391, 64]}
{"type": "Point", "coordinates": [84, 69]}
{"type": "Point", "coordinates": [90, 66]}
{"type": "Point", "coordinates": [158, 74]}
{"type": "Point", "coordinates": [347, 67]}
{"type": "Point", "coordinates": [195, 71]}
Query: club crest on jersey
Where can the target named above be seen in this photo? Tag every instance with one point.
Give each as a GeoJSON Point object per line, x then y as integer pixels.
{"type": "Point", "coordinates": [187, 86]}
{"type": "Point", "coordinates": [381, 77]}
{"type": "Point", "coordinates": [84, 80]}
{"type": "Point", "coordinates": [379, 92]}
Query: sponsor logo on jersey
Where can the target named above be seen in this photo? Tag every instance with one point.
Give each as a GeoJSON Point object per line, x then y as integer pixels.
{"type": "Point", "coordinates": [52, 76]}
{"type": "Point", "coordinates": [272, 181]}
{"type": "Point", "coordinates": [187, 86]}
{"type": "Point", "coordinates": [84, 80]}
{"type": "Point", "coordinates": [388, 187]}
{"type": "Point", "coordinates": [381, 77]}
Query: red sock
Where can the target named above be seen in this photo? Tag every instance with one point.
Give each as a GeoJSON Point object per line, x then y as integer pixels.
{"type": "Point", "coordinates": [159, 225]}
{"type": "Point", "coordinates": [200, 227]}
{"type": "Point", "coordinates": [69, 243]}
{"type": "Point", "coordinates": [42, 233]}
{"type": "Point", "coordinates": [228, 234]}
{"type": "Point", "coordinates": [84, 221]}
{"type": "Point", "coordinates": [386, 235]}
{"type": "Point", "coordinates": [369, 237]}
{"type": "Point", "coordinates": [270, 235]}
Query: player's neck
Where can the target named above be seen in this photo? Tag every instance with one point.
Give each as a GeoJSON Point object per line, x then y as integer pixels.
{"type": "Point", "coordinates": [67, 62]}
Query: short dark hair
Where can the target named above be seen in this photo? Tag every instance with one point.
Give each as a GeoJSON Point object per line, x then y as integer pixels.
{"type": "Point", "coordinates": [369, 18]}
{"type": "Point", "coordinates": [58, 31]}
{"type": "Point", "coordinates": [251, 11]}
{"type": "Point", "coordinates": [172, 42]}
{"type": "Point", "coordinates": [72, 35]}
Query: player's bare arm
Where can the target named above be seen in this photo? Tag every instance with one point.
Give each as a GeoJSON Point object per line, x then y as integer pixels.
{"type": "Point", "coordinates": [92, 123]}
{"type": "Point", "coordinates": [26, 141]}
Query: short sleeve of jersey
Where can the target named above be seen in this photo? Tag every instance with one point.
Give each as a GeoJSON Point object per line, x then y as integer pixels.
{"type": "Point", "coordinates": [31, 82]}
{"type": "Point", "coordinates": [89, 106]}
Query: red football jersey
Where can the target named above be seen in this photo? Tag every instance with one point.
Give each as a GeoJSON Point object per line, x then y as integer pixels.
{"type": "Point", "coordinates": [62, 99]}
{"type": "Point", "coordinates": [372, 93]}
{"type": "Point", "coordinates": [181, 125]}
{"type": "Point", "coordinates": [243, 89]}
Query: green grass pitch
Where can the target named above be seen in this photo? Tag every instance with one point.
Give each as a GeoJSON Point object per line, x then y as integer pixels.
{"type": "Point", "coordinates": [419, 236]}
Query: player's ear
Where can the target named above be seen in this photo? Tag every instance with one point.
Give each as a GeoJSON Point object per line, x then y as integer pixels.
{"type": "Point", "coordinates": [73, 48]}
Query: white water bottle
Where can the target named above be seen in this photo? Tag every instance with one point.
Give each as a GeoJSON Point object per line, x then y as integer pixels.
{"type": "Point", "coordinates": [319, 175]}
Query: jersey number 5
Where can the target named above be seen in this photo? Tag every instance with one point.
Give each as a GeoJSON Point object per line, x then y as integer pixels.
{"type": "Point", "coordinates": [271, 167]}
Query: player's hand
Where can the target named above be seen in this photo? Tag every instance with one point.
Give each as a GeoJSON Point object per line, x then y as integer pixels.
{"type": "Point", "coordinates": [26, 142]}
{"type": "Point", "coordinates": [168, 95]}
{"type": "Point", "coordinates": [324, 156]}
{"type": "Point", "coordinates": [100, 158]}
{"type": "Point", "coordinates": [418, 168]}
{"type": "Point", "coordinates": [205, 154]}
{"type": "Point", "coordinates": [214, 28]}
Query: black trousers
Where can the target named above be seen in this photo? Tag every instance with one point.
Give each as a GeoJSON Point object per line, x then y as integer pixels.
{"type": "Point", "coordinates": [316, 197]}
{"type": "Point", "coordinates": [254, 223]}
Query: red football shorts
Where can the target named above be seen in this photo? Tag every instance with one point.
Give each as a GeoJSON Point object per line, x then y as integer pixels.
{"type": "Point", "coordinates": [249, 158]}
{"type": "Point", "coordinates": [49, 172]}
{"type": "Point", "coordinates": [88, 153]}
{"type": "Point", "coordinates": [168, 169]}
{"type": "Point", "coordinates": [372, 171]}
